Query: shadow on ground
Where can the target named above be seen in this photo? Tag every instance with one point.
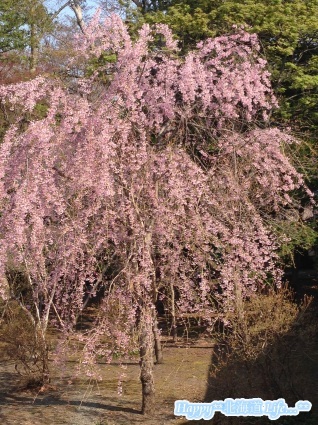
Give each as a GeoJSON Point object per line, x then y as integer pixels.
{"type": "Point", "coordinates": [288, 369]}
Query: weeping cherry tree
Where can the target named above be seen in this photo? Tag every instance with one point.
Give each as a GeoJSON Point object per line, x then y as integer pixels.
{"type": "Point", "coordinates": [159, 167]}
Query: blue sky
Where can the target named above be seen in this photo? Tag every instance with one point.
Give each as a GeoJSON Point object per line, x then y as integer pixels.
{"type": "Point", "coordinates": [54, 5]}
{"type": "Point", "coordinates": [91, 6]}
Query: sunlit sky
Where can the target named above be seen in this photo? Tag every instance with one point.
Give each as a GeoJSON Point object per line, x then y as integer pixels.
{"type": "Point", "coordinates": [54, 5]}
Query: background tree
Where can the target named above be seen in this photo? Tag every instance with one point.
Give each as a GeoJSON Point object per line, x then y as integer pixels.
{"type": "Point", "coordinates": [24, 23]}
{"type": "Point", "coordinates": [26, 26]}
{"type": "Point", "coordinates": [12, 34]}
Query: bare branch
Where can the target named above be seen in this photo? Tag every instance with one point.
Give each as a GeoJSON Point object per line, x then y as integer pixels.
{"type": "Point", "coordinates": [78, 13]}
{"type": "Point", "coordinates": [55, 14]}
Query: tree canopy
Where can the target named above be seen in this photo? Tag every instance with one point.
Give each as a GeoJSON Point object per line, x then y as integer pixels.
{"type": "Point", "coordinates": [17, 19]}
{"type": "Point", "coordinates": [288, 34]}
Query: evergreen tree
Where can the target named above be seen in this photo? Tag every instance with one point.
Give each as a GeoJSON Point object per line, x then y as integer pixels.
{"type": "Point", "coordinates": [13, 34]}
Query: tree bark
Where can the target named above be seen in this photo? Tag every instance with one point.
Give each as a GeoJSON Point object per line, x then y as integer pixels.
{"type": "Point", "coordinates": [34, 45]}
{"type": "Point", "coordinates": [173, 314]}
{"type": "Point", "coordinates": [44, 353]}
{"type": "Point", "coordinates": [157, 340]}
{"type": "Point", "coordinates": [239, 305]}
{"type": "Point", "coordinates": [76, 7]}
{"type": "Point", "coordinates": [146, 339]}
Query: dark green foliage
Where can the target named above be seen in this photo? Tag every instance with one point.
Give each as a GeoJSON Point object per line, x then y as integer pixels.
{"type": "Point", "coordinates": [12, 33]}
{"type": "Point", "coordinates": [16, 18]}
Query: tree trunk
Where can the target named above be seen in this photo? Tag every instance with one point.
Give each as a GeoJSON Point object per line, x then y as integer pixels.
{"type": "Point", "coordinates": [173, 314]}
{"type": "Point", "coordinates": [239, 305]}
{"type": "Point", "coordinates": [34, 45]}
{"type": "Point", "coordinates": [45, 372]}
{"type": "Point", "coordinates": [44, 352]}
{"type": "Point", "coordinates": [157, 342]}
{"type": "Point", "coordinates": [77, 9]}
{"type": "Point", "coordinates": [146, 336]}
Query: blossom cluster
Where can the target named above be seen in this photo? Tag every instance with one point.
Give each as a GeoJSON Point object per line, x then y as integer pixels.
{"type": "Point", "coordinates": [146, 179]}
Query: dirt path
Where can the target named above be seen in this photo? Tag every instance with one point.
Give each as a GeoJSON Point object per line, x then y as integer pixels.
{"type": "Point", "coordinates": [78, 402]}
